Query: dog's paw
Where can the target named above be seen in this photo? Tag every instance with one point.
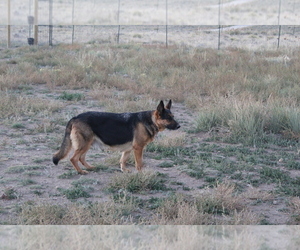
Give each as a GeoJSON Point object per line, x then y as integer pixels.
{"type": "Point", "coordinates": [90, 168]}
{"type": "Point", "coordinates": [83, 172]}
{"type": "Point", "coordinates": [125, 170]}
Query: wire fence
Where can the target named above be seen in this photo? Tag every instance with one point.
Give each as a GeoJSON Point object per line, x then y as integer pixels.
{"type": "Point", "coordinates": [249, 37]}
{"type": "Point", "coordinates": [199, 23]}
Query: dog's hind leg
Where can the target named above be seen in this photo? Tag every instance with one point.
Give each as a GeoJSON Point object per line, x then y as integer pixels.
{"type": "Point", "coordinates": [75, 159]}
{"type": "Point", "coordinates": [81, 144]}
{"type": "Point", "coordinates": [82, 157]}
{"type": "Point", "coordinates": [84, 163]}
{"type": "Point", "coordinates": [123, 160]}
{"type": "Point", "coordinates": [79, 155]}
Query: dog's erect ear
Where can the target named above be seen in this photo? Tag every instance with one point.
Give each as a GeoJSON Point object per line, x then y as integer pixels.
{"type": "Point", "coordinates": [160, 108]}
{"type": "Point", "coordinates": [169, 105]}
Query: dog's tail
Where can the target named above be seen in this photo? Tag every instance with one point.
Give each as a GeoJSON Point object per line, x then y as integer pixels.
{"type": "Point", "coordinates": [65, 146]}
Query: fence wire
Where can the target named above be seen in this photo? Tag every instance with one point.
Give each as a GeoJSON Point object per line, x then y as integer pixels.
{"type": "Point", "coordinates": [199, 23]}
{"type": "Point", "coordinates": [250, 37]}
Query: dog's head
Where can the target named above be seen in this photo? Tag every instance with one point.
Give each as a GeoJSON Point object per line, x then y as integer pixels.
{"type": "Point", "coordinates": [164, 117]}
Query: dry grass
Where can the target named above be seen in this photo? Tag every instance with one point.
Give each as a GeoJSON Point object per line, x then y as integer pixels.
{"type": "Point", "coordinates": [14, 106]}
{"type": "Point", "coordinates": [171, 139]}
{"type": "Point", "coordinates": [191, 74]}
{"type": "Point", "coordinates": [257, 194]}
{"type": "Point", "coordinates": [179, 211]}
{"type": "Point", "coordinates": [105, 213]}
{"type": "Point", "coordinates": [115, 101]}
{"type": "Point", "coordinates": [295, 204]}
{"type": "Point", "coordinates": [220, 205]}
{"type": "Point", "coordinates": [249, 120]}
{"type": "Point", "coordinates": [140, 237]}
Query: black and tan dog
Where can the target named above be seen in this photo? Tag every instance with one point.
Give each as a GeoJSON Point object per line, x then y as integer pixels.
{"type": "Point", "coordinates": [124, 132]}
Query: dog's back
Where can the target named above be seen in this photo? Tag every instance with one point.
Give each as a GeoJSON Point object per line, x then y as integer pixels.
{"type": "Point", "coordinates": [111, 128]}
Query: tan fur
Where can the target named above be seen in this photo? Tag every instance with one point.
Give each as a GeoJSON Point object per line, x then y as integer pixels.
{"type": "Point", "coordinates": [82, 138]}
{"type": "Point", "coordinates": [161, 124]}
{"type": "Point", "coordinates": [140, 140]}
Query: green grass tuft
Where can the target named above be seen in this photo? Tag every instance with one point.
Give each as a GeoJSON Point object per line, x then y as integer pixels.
{"type": "Point", "coordinates": [135, 183]}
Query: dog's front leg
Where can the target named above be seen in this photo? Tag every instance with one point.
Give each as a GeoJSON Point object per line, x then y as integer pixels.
{"type": "Point", "coordinates": [138, 156]}
{"type": "Point", "coordinates": [123, 160]}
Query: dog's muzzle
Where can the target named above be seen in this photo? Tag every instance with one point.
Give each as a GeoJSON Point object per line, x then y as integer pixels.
{"type": "Point", "coordinates": [173, 126]}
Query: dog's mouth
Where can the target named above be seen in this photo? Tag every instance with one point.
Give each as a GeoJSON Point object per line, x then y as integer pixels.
{"type": "Point", "coordinates": [173, 126]}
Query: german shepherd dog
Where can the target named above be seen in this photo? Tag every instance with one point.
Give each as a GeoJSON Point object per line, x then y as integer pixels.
{"type": "Point", "coordinates": [119, 131]}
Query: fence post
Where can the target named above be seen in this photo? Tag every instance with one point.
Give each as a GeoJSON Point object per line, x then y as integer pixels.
{"type": "Point", "coordinates": [118, 21]}
{"type": "Point", "coordinates": [219, 22]}
{"type": "Point", "coordinates": [8, 23]}
{"type": "Point", "coordinates": [279, 33]}
{"type": "Point", "coordinates": [73, 29]}
{"type": "Point", "coordinates": [36, 27]}
{"type": "Point", "coordinates": [166, 23]}
{"type": "Point", "coordinates": [279, 26]}
{"type": "Point", "coordinates": [50, 22]}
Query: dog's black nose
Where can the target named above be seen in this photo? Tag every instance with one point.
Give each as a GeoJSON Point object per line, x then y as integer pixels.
{"type": "Point", "coordinates": [178, 126]}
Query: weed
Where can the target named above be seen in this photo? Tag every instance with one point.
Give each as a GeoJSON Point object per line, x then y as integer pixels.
{"type": "Point", "coordinates": [33, 173]}
{"type": "Point", "coordinates": [68, 175]}
{"type": "Point", "coordinates": [18, 126]}
{"type": "Point", "coordinates": [138, 182]}
{"type": "Point", "coordinates": [104, 168]}
{"type": "Point", "coordinates": [166, 164]}
{"type": "Point", "coordinates": [293, 165]}
{"type": "Point", "coordinates": [291, 187]}
{"type": "Point", "coordinates": [166, 152]}
{"type": "Point", "coordinates": [274, 174]}
{"type": "Point", "coordinates": [84, 182]}
{"type": "Point", "coordinates": [154, 203]}
{"type": "Point", "coordinates": [37, 192]}
{"type": "Point", "coordinates": [22, 169]}
{"type": "Point", "coordinates": [71, 96]}
{"type": "Point", "coordinates": [9, 194]}
{"type": "Point", "coordinates": [75, 193]}
{"type": "Point", "coordinates": [40, 160]}
{"type": "Point", "coordinates": [195, 171]}
{"type": "Point", "coordinates": [26, 182]}
{"type": "Point", "coordinates": [208, 120]}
